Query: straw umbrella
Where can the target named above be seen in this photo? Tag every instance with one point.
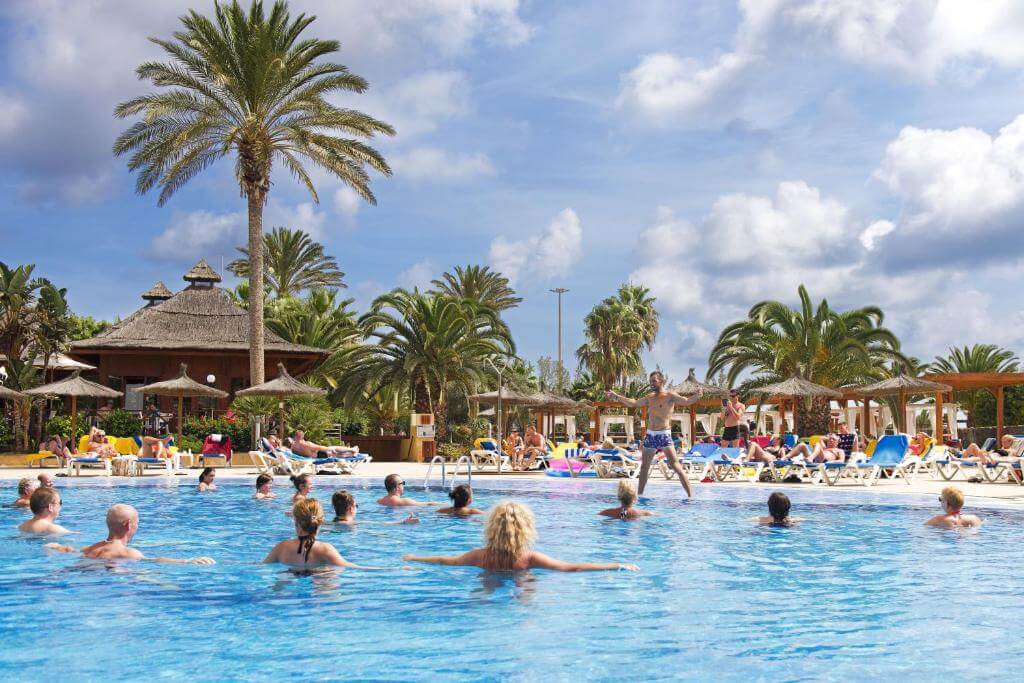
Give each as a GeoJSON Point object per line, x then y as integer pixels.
{"type": "Point", "coordinates": [902, 386]}
{"type": "Point", "coordinates": [280, 387]}
{"type": "Point", "coordinates": [75, 387]}
{"type": "Point", "coordinates": [548, 403]}
{"type": "Point", "coordinates": [503, 397]}
{"type": "Point", "coordinates": [180, 387]}
{"type": "Point", "coordinates": [690, 387]}
{"type": "Point", "coordinates": [798, 387]}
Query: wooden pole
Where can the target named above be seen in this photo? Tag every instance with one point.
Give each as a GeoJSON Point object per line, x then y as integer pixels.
{"type": "Point", "coordinates": [596, 419]}
{"type": "Point", "coordinates": [693, 424]}
{"type": "Point", "coordinates": [280, 426]}
{"type": "Point", "coordinates": [999, 416]}
{"type": "Point", "coordinates": [74, 421]}
{"type": "Point", "coordinates": [938, 419]}
{"type": "Point", "coordinates": [865, 417]}
{"type": "Point", "coordinates": [181, 420]}
{"type": "Point", "coordinates": [903, 413]}
{"type": "Point", "coordinates": [794, 425]}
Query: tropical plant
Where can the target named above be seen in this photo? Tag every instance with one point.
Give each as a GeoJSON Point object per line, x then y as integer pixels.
{"type": "Point", "coordinates": [22, 374]}
{"type": "Point", "coordinates": [829, 347]}
{"type": "Point", "coordinates": [640, 301]}
{"type": "Point", "coordinates": [49, 332]}
{"type": "Point", "coordinates": [616, 331]}
{"type": "Point", "coordinates": [248, 85]}
{"type": "Point", "coordinates": [18, 293]}
{"type": "Point", "coordinates": [253, 409]}
{"type": "Point", "coordinates": [551, 375]}
{"type": "Point", "coordinates": [292, 263]}
{"type": "Point", "coordinates": [86, 327]}
{"type": "Point", "coordinates": [121, 423]}
{"type": "Point", "coordinates": [199, 427]}
{"type": "Point", "coordinates": [976, 358]}
{"type": "Point", "coordinates": [319, 320]}
{"type": "Point", "coordinates": [479, 283]}
{"type": "Point", "coordinates": [311, 414]}
{"type": "Point", "coordinates": [61, 425]}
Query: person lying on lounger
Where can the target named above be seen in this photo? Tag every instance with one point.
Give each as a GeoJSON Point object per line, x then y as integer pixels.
{"type": "Point", "coordinates": [122, 524]}
{"type": "Point", "coordinates": [1005, 453]}
{"type": "Point", "coordinates": [153, 447]}
{"type": "Point", "coordinates": [777, 450]}
{"type": "Point", "coordinates": [305, 552]}
{"type": "Point", "coordinates": [509, 537]}
{"type": "Point", "coordinates": [778, 511]}
{"type": "Point", "coordinates": [302, 446]}
{"type": "Point", "coordinates": [826, 450]}
{"type": "Point", "coordinates": [952, 501]}
{"type": "Point", "coordinates": [395, 487]}
{"type": "Point", "coordinates": [98, 444]}
{"type": "Point", "coordinates": [346, 507]}
{"type": "Point", "coordinates": [25, 488]}
{"type": "Point", "coordinates": [627, 499]}
{"type": "Point", "coordinates": [45, 506]}
{"type": "Point", "coordinates": [462, 502]}
{"type": "Point", "coordinates": [56, 444]}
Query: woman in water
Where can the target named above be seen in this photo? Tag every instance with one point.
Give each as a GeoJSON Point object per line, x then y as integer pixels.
{"type": "Point", "coordinates": [303, 486]}
{"type": "Point", "coordinates": [952, 501]}
{"type": "Point", "coordinates": [345, 508]}
{"type": "Point", "coordinates": [25, 488]}
{"type": "Point", "coordinates": [305, 552]}
{"type": "Point", "coordinates": [206, 479]}
{"type": "Point", "coordinates": [509, 538]}
{"type": "Point", "coordinates": [778, 511]}
{"type": "Point", "coordinates": [627, 499]}
{"type": "Point", "coordinates": [264, 484]}
{"type": "Point", "coordinates": [462, 498]}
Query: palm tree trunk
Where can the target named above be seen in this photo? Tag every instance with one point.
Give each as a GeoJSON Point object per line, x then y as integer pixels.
{"type": "Point", "coordinates": [813, 418]}
{"type": "Point", "coordinates": [255, 288]}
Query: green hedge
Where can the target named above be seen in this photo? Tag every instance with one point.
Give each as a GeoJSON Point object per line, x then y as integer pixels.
{"type": "Point", "coordinates": [199, 428]}
{"type": "Point", "coordinates": [61, 424]}
{"type": "Point", "coordinates": [121, 423]}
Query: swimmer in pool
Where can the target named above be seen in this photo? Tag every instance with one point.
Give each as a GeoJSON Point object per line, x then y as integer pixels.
{"type": "Point", "coordinates": [627, 499]}
{"type": "Point", "coordinates": [305, 552]}
{"type": "Point", "coordinates": [45, 479]}
{"type": "Point", "coordinates": [509, 537]}
{"type": "Point", "coordinates": [462, 499]}
{"type": "Point", "coordinates": [303, 486]}
{"type": "Point", "coordinates": [778, 511]}
{"type": "Point", "coordinates": [345, 508]}
{"type": "Point", "coordinates": [264, 487]}
{"type": "Point", "coordinates": [25, 488]}
{"type": "Point", "coordinates": [952, 501]}
{"type": "Point", "coordinates": [45, 505]}
{"type": "Point", "coordinates": [395, 486]}
{"type": "Point", "coordinates": [206, 478]}
{"type": "Point", "coordinates": [122, 524]}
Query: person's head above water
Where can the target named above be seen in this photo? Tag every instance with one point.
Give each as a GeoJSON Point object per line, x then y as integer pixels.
{"type": "Point", "coordinates": [510, 531]}
{"type": "Point", "coordinates": [207, 475]}
{"type": "Point", "coordinates": [392, 482]}
{"type": "Point", "coordinates": [42, 499]}
{"type": "Point", "coordinates": [627, 493]}
{"type": "Point", "coordinates": [308, 515]}
{"type": "Point", "coordinates": [122, 521]}
{"type": "Point", "coordinates": [778, 506]}
{"type": "Point", "coordinates": [263, 480]}
{"type": "Point", "coordinates": [461, 496]}
{"type": "Point", "coordinates": [302, 482]}
{"type": "Point", "coordinates": [45, 479]}
{"type": "Point", "coordinates": [952, 499]}
{"type": "Point", "coordinates": [343, 503]}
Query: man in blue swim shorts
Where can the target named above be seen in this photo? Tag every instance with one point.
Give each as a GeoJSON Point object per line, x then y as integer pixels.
{"type": "Point", "coordinates": [659, 404]}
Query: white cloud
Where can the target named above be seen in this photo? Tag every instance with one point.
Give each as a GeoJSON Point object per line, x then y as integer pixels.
{"type": "Point", "coordinates": [419, 103]}
{"type": "Point", "coordinates": [347, 201]}
{"type": "Point", "coordinates": [418, 275]}
{"type": "Point", "coordinates": [435, 165]}
{"type": "Point", "coordinates": [304, 216]}
{"type": "Point", "coordinates": [540, 256]}
{"type": "Point", "coordinates": [200, 234]}
{"type": "Point", "coordinates": [873, 232]}
{"type": "Point", "coordinates": [664, 86]}
{"type": "Point", "coordinates": [666, 249]}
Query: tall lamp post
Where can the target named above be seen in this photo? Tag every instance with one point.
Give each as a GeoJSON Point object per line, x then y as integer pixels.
{"type": "Point", "coordinates": [560, 291]}
{"type": "Point", "coordinates": [500, 372]}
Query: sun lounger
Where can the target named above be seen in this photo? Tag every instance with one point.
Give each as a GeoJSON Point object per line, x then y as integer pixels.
{"type": "Point", "coordinates": [611, 463]}
{"type": "Point", "coordinates": [888, 460]}
{"type": "Point", "coordinates": [731, 462]}
{"type": "Point", "coordinates": [486, 453]}
{"type": "Point", "coordinates": [697, 461]}
{"type": "Point", "coordinates": [76, 464]}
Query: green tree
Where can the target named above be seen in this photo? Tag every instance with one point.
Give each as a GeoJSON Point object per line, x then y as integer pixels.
{"type": "Point", "coordinates": [292, 263]}
{"type": "Point", "coordinates": [51, 326]}
{"type": "Point", "coordinates": [18, 293]}
{"type": "Point", "coordinates": [319, 319]}
{"type": "Point", "coordinates": [551, 377]}
{"type": "Point", "coordinates": [832, 348]}
{"type": "Point", "coordinates": [616, 332]}
{"type": "Point", "coordinates": [86, 327]}
{"type": "Point", "coordinates": [248, 85]}
{"type": "Point", "coordinates": [480, 284]}
{"type": "Point", "coordinates": [976, 358]}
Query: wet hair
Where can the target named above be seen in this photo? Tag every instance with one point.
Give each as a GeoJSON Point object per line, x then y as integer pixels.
{"type": "Point", "coordinates": [778, 507]}
{"type": "Point", "coordinates": [510, 532]}
{"type": "Point", "coordinates": [42, 498]}
{"type": "Point", "coordinates": [343, 501]}
{"type": "Point", "coordinates": [627, 493]}
{"type": "Point", "coordinates": [391, 482]}
{"type": "Point", "coordinates": [25, 485]}
{"type": "Point", "coordinates": [461, 495]}
{"type": "Point", "coordinates": [301, 480]}
{"type": "Point", "coordinates": [206, 471]}
{"type": "Point", "coordinates": [951, 496]}
{"type": "Point", "coordinates": [308, 515]}
{"type": "Point", "coordinates": [263, 479]}
{"type": "Point", "coordinates": [658, 373]}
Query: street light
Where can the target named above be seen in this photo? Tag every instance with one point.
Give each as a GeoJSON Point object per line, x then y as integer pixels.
{"type": "Point", "coordinates": [560, 291]}
{"type": "Point", "coordinates": [498, 370]}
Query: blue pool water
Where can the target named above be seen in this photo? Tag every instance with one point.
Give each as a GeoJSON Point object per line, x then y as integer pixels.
{"type": "Point", "coordinates": [859, 589]}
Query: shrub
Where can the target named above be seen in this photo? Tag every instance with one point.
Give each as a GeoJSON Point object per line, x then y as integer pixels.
{"type": "Point", "coordinates": [451, 451]}
{"type": "Point", "coordinates": [352, 422]}
{"type": "Point", "coordinates": [248, 408]}
{"type": "Point", "coordinates": [121, 423]}
{"type": "Point", "coordinates": [200, 427]}
{"type": "Point", "coordinates": [61, 424]}
{"type": "Point", "coordinates": [190, 444]}
{"type": "Point", "coordinates": [311, 414]}
{"type": "Point", "coordinates": [6, 437]}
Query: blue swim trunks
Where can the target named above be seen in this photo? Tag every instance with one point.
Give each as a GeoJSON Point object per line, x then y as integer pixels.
{"type": "Point", "coordinates": [658, 439]}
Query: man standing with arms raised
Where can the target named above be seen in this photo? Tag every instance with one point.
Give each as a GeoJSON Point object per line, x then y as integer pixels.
{"type": "Point", "coordinates": [659, 404]}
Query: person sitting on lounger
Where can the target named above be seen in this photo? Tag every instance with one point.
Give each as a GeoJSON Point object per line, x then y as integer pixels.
{"type": "Point", "coordinates": [395, 487]}
{"type": "Point", "coordinates": [952, 501]}
{"type": "Point", "coordinates": [513, 447]}
{"type": "Point", "coordinates": [45, 506]}
{"type": "Point", "coordinates": [462, 501]}
{"type": "Point", "coordinates": [309, 449]}
{"type": "Point", "coordinates": [627, 499]}
{"type": "Point", "coordinates": [1005, 452]}
{"type": "Point", "coordinates": [25, 488]}
{"type": "Point", "coordinates": [769, 454]}
{"type": "Point", "coordinates": [305, 552]}
{"type": "Point", "coordinates": [152, 447]}
{"type": "Point", "coordinates": [345, 508]}
{"type": "Point", "coordinates": [919, 443]}
{"type": "Point", "coordinates": [778, 511]}
{"type": "Point", "coordinates": [122, 524]}
{"type": "Point", "coordinates": [303, 484]}
{"type": "Point", "coordinates": [206, 479]}
{"type": "Point", "coordinates": [56, 444]}
{"type": "Point", "coordinates": [534, 446]}
{"type": "Point", "coordinates": [509, 537]}
{"type": "Point", "coordinates": [264, 487]}
{"type": "Point", "coordinates": [98, 444]}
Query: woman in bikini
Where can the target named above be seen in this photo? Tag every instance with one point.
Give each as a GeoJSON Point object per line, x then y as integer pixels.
{"type": "Point", "coordinates": [462, 499]}
{"type": "Point", "coordinates": [303, 486]}
{"type": "Point", "coordinates": [305, 552]}
{"type": "Point", "coordinates": [627, 499]}
{"type": "Point", "coordinates": [952, 501]}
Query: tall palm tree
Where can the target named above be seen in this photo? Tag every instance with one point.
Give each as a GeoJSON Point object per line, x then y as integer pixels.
{"type": "Point", "coordinates": [292, 263]}
{"type": "Point", "coordinates": [479, 283]}
{"type": "Point", "coordinates": [976, 358]}
{"type": "Point", "coordinates": [639, 299]}
{"type": "Point", "coordinates": [250, 86]}
{"type": "Point", "coordinates": [615, 334]}
{"type": "Point", "coordinates": [833, 348]}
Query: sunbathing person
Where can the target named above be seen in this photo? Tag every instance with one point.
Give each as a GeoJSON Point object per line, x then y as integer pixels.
{"type": "Point", "coordinates": [206, 479]}
{"type": "Point", "coordinates": [509, 536]}
{"type": "Point", "coordinates": [395, 487]}
{"type": "Point", "coordinates": [627, 499]}
{"type": "Point", "coordinates": [309, 449]}
{"type": "Point", "coordinates": [534, 446]}
{"type": "Point", "coordinates": [98, 444]}
{"type": "Point", "coordinates": [152, 447]}
{"type": "Point", "coordinates": [952, 501]}
{"type": "Point", "coordinates": [778, 511]}
{"type": "Point", "coordinates": [25, 488]}
{"type": "Point", "coordinates": [769, 454]}
{"type": "Point", "coordinates": [513, 447]}
{"type": "Point", "coordinates": [1005, 453]}
{"type": "Point", "coordinates": [122, 524]}
{"type": "Point", "coordinates": [345, 508]}
{"type": "Point", "coordinates": [303, 484]}
{"type": "Point", "coordinates": [462, 499]}
{"type": "Point", "coordinates": [305, 552]}
{"type": "Point", "coordinates": [826, 450]}
{"type": "Point", "coordinates": [264, 486]}
{"type": "Point", "coordinates": [56, 444]}
{"type": "Point", "coordinates": [45, 506]}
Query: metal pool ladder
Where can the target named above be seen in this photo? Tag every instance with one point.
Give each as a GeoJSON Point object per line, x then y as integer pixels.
{"type": "Point", "coordinates": [465, 459]}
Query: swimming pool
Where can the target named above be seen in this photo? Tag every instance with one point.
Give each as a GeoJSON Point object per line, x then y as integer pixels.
{"type": "Point", "coordinates": [860, 588]}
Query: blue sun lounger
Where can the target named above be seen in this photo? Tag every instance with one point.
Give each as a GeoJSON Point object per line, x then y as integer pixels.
{"type": "Point", "coordinates": [730, 462]}
{"type": "Point", "coordinates": [698, 460]}
{"type": "Point", "coordinates": [888, 460]}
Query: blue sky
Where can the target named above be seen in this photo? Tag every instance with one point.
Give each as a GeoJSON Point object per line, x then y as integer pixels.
{"type": "Point", "coordinates": [719, 153]}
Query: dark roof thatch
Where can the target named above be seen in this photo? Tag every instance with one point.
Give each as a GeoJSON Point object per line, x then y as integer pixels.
{"type": "Point", "coordinates": [691, 386]}
{"type": "Point", "coordinates": [283, 385]}
{"type": "Point", "coordinates": [74, 386]}
{"type": "Point", "coordinates": [797, 386]}
{"type": "Point", "coordinates": [181, 386]}
{"type": "Point", "coordinates": [546, 401]}
{"type": "Point", "coordinates": [202, 272]}
{"type": "Point", "coordinates": [508, 397]}
{"type": "Point", "coordinates": [903, 385]}
{"type": "Point", "coordinates": [203, 318]}
{"type": "Point", "coordinates": [9, 394]}
{"type": "Point", "coordinates": [157, 292]}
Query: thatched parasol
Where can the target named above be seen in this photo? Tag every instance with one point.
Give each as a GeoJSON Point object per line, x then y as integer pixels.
{"type": "Point", "coordinates": [548, 402]}
{"type": "Point", "coordinates": [74, 386]}
{"type": "Point", "coordinates": [180, 387]}
{"type": "Point", "coordinates": [505, 396]}
{"type": "Point", "coordinates": [901, 386]}
{"type": "Point", "coordinates": [281, 386]}
{"type": "Point", "coordinates": [691, 386]}
{"type": "Point", "coordinates": [9, 394]}
{"type": "Point", "coordinates": [798, 387]}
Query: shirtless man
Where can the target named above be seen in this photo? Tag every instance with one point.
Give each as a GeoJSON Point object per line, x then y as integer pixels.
{"type": "Point", "coordinates": [513, 447]}
{"type": "Point", "coordinates": [314, 450]}
{"type": "Point", "coordinates": [659, 404]}
{"type": "Point", "coordinates": [153, 447]}
{"type": "Point", "coordinates": [395, 487]}
{"type": "Point", "coordinates": [732, 413]}
{"type": "Point", "coordinates": [45, 506]}
{"type": "Point", "coordinates": [122, 523]}
{"type": "Point", "coordinates": [533, 447]}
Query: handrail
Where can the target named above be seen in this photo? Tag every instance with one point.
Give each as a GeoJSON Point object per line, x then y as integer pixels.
{"type": "Point", "coordinates": [469, 470]}
{"type": "Point", "coordinates": [430, 469]}
{"type": "Point", "coordinates": [465, 459]}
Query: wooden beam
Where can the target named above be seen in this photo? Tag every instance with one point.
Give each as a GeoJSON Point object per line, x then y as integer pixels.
{"type": "Point", "coordinates": [693, 425]}
{"type": "Point", "coordinates": [999, 415]}
{"type": "Point", "coordinates": [865, 417]}
{"type": "Point", "coordinates": [938, 420]}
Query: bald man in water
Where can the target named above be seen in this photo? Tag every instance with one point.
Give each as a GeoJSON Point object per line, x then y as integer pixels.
{"type": "Point", "coordinates": [122, 523]}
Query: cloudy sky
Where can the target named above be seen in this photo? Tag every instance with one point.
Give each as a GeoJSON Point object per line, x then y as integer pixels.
{"type": "Point", "coordinates": [718, 152]}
